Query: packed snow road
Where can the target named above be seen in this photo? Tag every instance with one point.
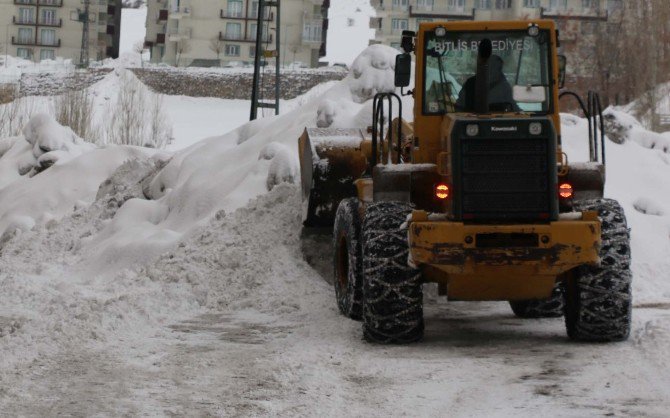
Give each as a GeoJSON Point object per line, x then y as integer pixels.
{"type": "Point", "coordinates": [233, 322]}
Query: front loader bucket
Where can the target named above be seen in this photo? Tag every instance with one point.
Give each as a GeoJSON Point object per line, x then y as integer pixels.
{"type": "Point", "coordinates": [330, 160]}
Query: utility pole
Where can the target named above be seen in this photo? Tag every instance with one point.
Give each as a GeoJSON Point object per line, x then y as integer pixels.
{"type": "Point", "coordinates": [262, 53]}
{"type": "Point", "coordinates": [85, 17]}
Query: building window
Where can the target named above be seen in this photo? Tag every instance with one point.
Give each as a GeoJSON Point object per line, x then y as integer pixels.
{"type": "Point", "coordinates": [425, 4]}
{"type": "Point", "coordinates": [252, 32]}
{"type": "Point", "coordinates": [48, 37]}
{"type": "Point", "coordinates": [503, 4]}
{"type": "Point", "coordinates": [614, 5]}
{"type": "Point", "coordinates": [558, 4]}
{"type": "Point", "coordinates": [26, 15]}
{"type": "Point", "coordinates": [235, 8]}
{"type": "Point", "coordinates": [311, 30]}
{"type": "Point", "coordinates": [456, 4]}
{"type": "Point", "coordinates": [26, 36]}
{"type": "Point", "coordinates": [252, 52]}
{"type": "Point", "coordinates": [400, 4]}
{"type": "Point", "coordinates": [590, 4]}
{"type": "Point", "coordinates": [48, 17]}
{"type": "Point", "coordinates": [233, 31]}
{"type": "Point", "coordinates": [484, 4]}
{"type": "Point", "coordinates": [232, 50]}
{"type": "Point", "coordinates": [399, 24]}
{"type": "Point", "coordinates": [531, 3]}
{"type": "Point", "coordinates": [47, 54]}
{"type": "Point", "coordinates": [24, 53]}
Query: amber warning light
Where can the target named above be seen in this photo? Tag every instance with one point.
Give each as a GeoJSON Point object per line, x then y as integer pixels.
{"type": "Point", "coordinates": [565, 190]}
{"type": "Point", "coordinates": [442, 191]}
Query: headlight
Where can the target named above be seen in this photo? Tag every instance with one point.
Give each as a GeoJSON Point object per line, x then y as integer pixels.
{"type": "Point", "coordinates": [472, 129]}
{"type": "Point", "coordinates": [535, 128]}
{"type": "Point", "coordinates": [533, 30]}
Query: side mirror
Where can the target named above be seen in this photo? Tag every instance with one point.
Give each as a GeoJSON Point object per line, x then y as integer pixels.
{"type": "Point", "coordinates": [403, 70]}
{"type": "Point", "coordinates": [562, 63]}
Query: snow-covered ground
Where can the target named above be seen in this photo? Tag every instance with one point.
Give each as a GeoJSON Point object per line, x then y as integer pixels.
{"type": "Point", "coordinates": [145, 282]}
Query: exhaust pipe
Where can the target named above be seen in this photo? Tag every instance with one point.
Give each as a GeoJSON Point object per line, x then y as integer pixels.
{"type": "Point", "coordinates": [482, 76]}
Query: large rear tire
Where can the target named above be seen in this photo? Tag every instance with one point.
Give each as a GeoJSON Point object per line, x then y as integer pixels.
{"type": "Point", "coordinates": [393, 298]}
{"type": "Point", "coordinates": [598, 302]}
{"type": "Point", "coordinates": [348, 260]}
{"type": "Point", "coordinates": [547, 308]}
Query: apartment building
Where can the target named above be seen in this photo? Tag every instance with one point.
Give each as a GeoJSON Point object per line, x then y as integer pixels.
{"type": "Point", "coordinates": [217, 32]}
{"type": "Point", "coordinates": [574, 17]}
{"type": "Point", "coordinates": [49, 29]}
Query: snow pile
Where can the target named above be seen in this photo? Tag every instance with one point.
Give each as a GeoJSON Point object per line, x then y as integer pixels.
{"type": "Point", "coordinates": [637, 176]}
{"type": "Point", "coordinates": [49, 171]}
{"type": "Point", "coordinates": [640, 108]}
{"type": "Point", "coordinates": [621, 126]}
{"type": "Point", "coordinates": [45, 143]}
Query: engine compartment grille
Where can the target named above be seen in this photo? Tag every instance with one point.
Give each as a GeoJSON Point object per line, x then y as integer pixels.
{"type": "Point", "coordinates": [505, 178]}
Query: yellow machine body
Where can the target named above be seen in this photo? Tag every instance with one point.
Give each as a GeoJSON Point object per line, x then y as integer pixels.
{"type": "Point", "coordinates": [470, 261]}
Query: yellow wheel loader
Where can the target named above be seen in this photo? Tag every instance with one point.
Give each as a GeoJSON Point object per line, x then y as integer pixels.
{"type": "Point", "coordinates": [475, 195]}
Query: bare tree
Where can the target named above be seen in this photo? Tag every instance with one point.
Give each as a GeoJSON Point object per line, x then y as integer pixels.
{"type": "Point", "coordinates": [217, 45]}
{"type": "Point", "coordinates": [137, 119]}
{"type": "Point", "coordinates": [624, 57]}
{"type": "Point", "coordinates": [183, 47]}
{"type": "Point", "coordinates": [75, 109]}
{"type": "Point", "coordinates": [138, 48]}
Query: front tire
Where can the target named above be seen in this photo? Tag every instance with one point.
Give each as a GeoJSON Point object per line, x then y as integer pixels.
{"type": "Point", "coordinates": [393, 298]}
{"type": "Point", "coordinates": [347, 259]}
{"type": "Point", "coordinates": [598, 299]}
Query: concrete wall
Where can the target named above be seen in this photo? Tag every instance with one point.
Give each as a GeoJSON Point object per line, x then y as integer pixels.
{"type": "Point", "coordinates": [231, 86]}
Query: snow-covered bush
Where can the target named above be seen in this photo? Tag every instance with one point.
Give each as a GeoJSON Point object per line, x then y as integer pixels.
{"type": "Point", "coordinates": [127, 124]}
{"type": "Point", "coordinates": [373, 72]}
{"type": "Point", "coordinates": [75, 109]}
{"type": "Point", "coordinates": [15, 115]}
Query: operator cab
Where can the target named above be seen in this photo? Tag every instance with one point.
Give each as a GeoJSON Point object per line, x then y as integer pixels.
{"type": "Point", "coordinates": [517, 70]}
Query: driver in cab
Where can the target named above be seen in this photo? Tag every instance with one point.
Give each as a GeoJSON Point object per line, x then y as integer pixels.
{"type": "Point", "coordinates": [501, 98]}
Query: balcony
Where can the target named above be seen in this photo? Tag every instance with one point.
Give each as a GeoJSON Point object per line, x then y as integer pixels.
{"type": "Point", "coordinates": [31, 21]}
{"type": "Point", "coordinates": [47, 3]}
{"type": "Point", "coordinates": [24, 21]}
{"type": "Point", "coordinates": [239, 15]}
{"type": "Point", "coordinates": [180, 12]}
{"type": "Point", "coordinates": [33, 42]}
{"type": "Point", "coordinates": [442, 12]}
{"type": "Point", "coordinates": [238, 37]}
{"type": "Point", "coordinates": [54, 23]}
{"type": "Point", "coordinates": [50, 3]}
{"type": "Point", "coordinates": [176, 35]}
{"type": "Point", "coordinates": [572, 14]}
{"type": "Point", "coordinates": [311, 39]}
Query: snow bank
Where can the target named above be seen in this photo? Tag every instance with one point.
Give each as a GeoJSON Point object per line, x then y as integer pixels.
{"type": "Point", "coordinates": [621, 126]}
{"type": "Point", "coordinates": [637, 176]}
